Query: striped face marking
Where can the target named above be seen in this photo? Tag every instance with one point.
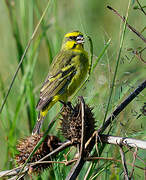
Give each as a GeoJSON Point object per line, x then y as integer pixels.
{"type": "Point", "coordinates": [73, 40]}
{"type": "Point", "coordinates": [75, 34]}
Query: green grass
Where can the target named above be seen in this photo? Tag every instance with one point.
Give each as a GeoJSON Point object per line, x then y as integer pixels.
{"type": "Point", "coordinates": [17, 23]}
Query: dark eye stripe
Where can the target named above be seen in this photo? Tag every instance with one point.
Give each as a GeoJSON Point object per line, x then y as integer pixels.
{"type": "Point", "coordinates": [72, 37]}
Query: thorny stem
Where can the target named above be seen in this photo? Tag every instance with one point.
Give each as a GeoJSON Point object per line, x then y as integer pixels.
{"type": "Point", "coordinates": [128, 25]}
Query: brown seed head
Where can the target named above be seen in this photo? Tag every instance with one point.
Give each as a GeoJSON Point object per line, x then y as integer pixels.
{"type": "Point", "coordinates": [71, 123]}
{"type": "Point", "coordinates": [26, 146]}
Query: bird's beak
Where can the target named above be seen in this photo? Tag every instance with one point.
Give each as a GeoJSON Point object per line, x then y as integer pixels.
{"type": "Point", "coordinates": [80, 40]}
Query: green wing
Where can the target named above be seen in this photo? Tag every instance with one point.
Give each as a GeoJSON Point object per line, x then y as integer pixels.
{"type": "Point", "coordinates": [60, 74]}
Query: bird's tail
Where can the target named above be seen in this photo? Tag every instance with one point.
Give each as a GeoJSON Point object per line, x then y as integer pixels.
{"type": "Point", "coordinates": [37, 127]}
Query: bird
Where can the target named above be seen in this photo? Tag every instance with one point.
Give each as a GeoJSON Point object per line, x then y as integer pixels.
{"type": "Point", "coordinates": [67, 72]}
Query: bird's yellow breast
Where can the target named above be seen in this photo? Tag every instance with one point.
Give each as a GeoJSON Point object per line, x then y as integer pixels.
{"type": "Point", "coordinates": [81, 63]}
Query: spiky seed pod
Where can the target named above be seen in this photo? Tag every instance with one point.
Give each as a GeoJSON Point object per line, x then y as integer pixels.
{"type": "Point", "coordinates": [143, 109]}
{"type": "Point", "coordinates": [71, 123]}
{"type": "Point", "coordinates": [26, 146]}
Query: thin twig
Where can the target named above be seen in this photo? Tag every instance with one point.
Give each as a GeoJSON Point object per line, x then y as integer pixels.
{"type": "Point", "coordinates": [124, 163]}
{"type": "Point", "coordinates": [15, 177]}
{"type": "Point", "coordinates": [133, 163]}
{"type": "Point", "coordinates": [76, 169]}
{"type": "Point", "coordinates": [78, 166]}
{"type": "Point", "coordinates": [13, 172]}
{"type": "Point", "coordinates": [129, 26]}
{"type": "Point", "coordinates": [47, 162]}
{"type": "Point", "coordinates": [83, 135]}
{"type": "Point", "coordinates": [139, 55]}
{"type": "Point", "coordinates": [130, 142]}
{"type": "Point", "coordinates": [137, 156]}
{"type": "Point", "coordinates": [88, 171]}
{"type": "Point", "coordinates": [122, 106]}
{"type": "Point", "coordinates": [57, 150]}
{"type": "Point", "coordinates": [111, 159]}
{"type": "Point", "coordinates": [141, 7]}
{"type": "Point", "coordinates": [117, 65]}
{"type": "Point", "coordinates": [67, 163]}
{"type": "Point", "coordinates": [91, 158]}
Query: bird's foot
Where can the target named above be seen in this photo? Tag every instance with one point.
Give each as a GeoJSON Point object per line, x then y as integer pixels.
{"type": "Point", "coordinates": [68, 103]}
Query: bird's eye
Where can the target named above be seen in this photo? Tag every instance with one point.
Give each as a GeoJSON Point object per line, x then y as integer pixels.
{"type": "Point", "coordinates": [72, 38]}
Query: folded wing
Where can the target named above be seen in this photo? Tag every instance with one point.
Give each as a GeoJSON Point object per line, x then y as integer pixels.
{"type": "Point", "coordinates": [55, 85]}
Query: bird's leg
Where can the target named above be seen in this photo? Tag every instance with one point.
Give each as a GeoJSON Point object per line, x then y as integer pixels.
{"type": "Point", "coordinates": [62, 102]}
{"type": "Point", "coordinates": [68, 103]}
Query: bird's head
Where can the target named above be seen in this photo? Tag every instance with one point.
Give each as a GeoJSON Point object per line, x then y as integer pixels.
{"type": "Point", "coordinates": [73, 40]}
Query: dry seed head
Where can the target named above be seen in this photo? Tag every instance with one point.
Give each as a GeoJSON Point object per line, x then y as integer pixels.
{"type": "Point", "coordinates": [71, 123]}
{"type": "Point", "coordinates": [26, 146]}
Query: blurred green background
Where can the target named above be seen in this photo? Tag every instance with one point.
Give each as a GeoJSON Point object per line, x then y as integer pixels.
{"type": "Point", "coordinates": [17, 22]}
